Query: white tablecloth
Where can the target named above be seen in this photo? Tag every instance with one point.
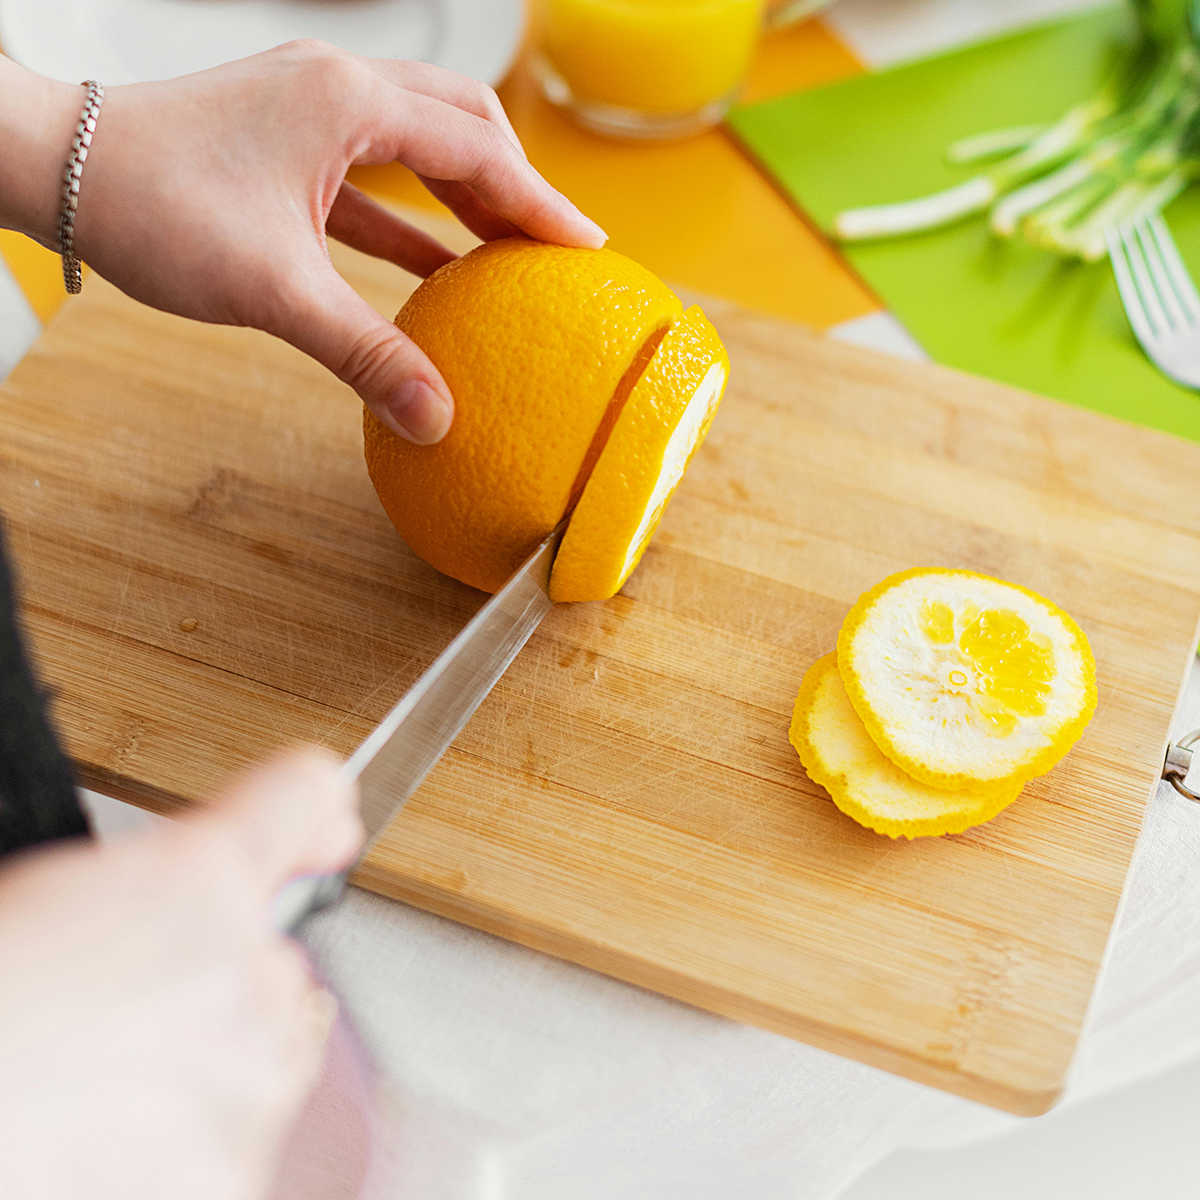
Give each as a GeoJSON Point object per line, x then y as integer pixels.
{"type": "Point", "coordinates": [513, 1076]}
{"type": "Point", "coordinates": [501, 1074]}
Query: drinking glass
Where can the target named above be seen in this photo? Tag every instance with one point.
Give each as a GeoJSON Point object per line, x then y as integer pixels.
{"type": "Point", "coordinates": [645, 68]}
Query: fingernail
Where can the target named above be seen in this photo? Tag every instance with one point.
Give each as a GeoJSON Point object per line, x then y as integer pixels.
{"type": "Point", "coordinates": [418, 412]}
{"type": "Point", "coordinates": [597, 237]}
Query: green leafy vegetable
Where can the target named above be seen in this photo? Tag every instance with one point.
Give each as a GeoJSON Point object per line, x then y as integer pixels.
{"type": "Point", "coordinates": [1124, 154]}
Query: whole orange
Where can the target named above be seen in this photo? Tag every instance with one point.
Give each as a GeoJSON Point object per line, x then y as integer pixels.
{"type": "Point", "coordinates": [548, 352]}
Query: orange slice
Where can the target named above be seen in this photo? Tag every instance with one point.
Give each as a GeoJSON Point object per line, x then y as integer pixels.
{"type": "Point", "coordinates": [659, 429]}
{"type": "Point", "coordinates": [838, 754]}
{"type": "Point", "coordinates": [963, 680]}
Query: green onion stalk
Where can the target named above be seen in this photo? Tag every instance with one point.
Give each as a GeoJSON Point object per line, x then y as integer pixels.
{"type": "Point", "coordinates": [1124, 154]}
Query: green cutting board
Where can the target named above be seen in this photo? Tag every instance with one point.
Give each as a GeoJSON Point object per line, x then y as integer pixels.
{"type": "Point", "coordinates": [995, 308]}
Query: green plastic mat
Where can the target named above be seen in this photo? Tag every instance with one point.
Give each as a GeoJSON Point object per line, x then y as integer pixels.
{"type": "Point", "coordinates": [995, 308]}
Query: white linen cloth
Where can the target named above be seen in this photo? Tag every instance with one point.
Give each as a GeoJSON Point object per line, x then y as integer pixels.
{"type": "Point", "coordinates": [513, 1076]}
{"type": "Point", "coordinates": [502, 1074]}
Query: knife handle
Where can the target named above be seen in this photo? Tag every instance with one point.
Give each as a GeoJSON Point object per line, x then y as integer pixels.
{"type": "Point", "coordinates": [303, 896]}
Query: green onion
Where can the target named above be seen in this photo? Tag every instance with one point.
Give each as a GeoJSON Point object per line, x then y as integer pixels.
{"type": "Point", "coordinates": [992, 145]}
{"type": "Point", "coordinates": [1124, 154]}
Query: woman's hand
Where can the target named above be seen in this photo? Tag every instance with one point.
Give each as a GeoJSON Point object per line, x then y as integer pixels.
{"type": "Point", "coordinates": [158, 1036]}
{"type": "Point", "coordinates": [211, 196]}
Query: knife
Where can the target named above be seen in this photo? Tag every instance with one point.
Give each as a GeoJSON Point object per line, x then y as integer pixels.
{"type": "Point", "coordinates": [406, 745]}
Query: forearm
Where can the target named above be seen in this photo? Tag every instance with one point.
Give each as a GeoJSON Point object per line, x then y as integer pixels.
{"type": "Point", "coordinates": [37, 119]}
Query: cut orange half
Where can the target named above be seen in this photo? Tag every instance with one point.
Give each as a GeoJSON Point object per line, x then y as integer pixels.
{"type": "Point", "coordinates": [964, 680]}
{"type": "Point", "coordinates": [577, 381]}
{"type": "Point", "coordinates": [838, 754]}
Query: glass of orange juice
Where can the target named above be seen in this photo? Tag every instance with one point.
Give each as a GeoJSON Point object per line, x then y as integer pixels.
{"type": "Point", "coordinates": [645, 68]}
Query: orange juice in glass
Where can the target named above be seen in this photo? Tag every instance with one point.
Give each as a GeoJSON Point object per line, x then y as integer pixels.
{"type": "Point", "coordinates": [645, 68]}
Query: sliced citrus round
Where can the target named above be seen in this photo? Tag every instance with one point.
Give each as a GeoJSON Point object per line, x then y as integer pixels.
{"type": "Point", "coordinates": [838, 754]}
{"type": "Point", "coordinates": [537, 344]}
{"type": "Point", "coordinates": [655, 435]}
{"type": "Point", "coordinates": [961, 679]}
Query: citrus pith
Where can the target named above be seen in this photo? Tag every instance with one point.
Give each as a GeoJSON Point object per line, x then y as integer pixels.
{"type": "Point", "coordinates": [838, 754]}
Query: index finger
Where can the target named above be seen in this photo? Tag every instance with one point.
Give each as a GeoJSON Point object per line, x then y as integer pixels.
{"type": "Point", "coordinates": [442, 142]}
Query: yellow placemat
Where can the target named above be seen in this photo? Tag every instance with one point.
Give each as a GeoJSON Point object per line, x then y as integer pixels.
{"type": "Point", "coordinates": [36, 269]}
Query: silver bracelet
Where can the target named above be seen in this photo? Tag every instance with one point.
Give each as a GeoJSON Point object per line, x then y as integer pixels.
{"type": "Point", "coordinates": [72, 273]}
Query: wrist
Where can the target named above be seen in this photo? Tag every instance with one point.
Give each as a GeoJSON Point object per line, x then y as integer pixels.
{"type": "Point", "coordinates": [37, 121]}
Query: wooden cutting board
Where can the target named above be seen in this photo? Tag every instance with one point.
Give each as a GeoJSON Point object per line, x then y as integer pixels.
{"type": "Point", "coordinates": [208, 576]}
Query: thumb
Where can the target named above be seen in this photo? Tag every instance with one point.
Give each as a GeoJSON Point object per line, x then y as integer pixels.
{"type": "Point", "coordinates": [296, 815]}
{"type": "Point", "coordinates": [391, 374]}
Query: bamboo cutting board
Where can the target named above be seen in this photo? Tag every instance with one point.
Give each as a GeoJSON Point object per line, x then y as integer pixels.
{"type": "Point", "coordinates": [208, 575]}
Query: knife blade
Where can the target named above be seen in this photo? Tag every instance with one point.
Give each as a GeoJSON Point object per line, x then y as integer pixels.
{"type": "Point", "coordinates": [393, 761]}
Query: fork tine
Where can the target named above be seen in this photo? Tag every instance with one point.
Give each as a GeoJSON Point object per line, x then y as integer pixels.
{"type": "Point", "coordinates": [1128, 289]}
{"type": "Point", "coordinates": [1155, 317]}
{"type": "Point", "coordinates": [1185, 289]}
{"type": "Point", "coordinates": [1163, 285]}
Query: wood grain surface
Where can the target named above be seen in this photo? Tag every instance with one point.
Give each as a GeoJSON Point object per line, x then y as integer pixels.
{"type": "Point", "coordinates": [208, 576]}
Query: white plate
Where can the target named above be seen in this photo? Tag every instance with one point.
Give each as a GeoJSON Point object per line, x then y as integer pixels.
{"type": "Point", "coordinates": [129, 41]}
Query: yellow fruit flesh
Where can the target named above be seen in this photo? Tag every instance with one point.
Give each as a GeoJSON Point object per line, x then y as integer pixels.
{"type": "Point", "coordinates": [962, 679]}
{"type": "Point", "coordinates": [1001, 669]}
{"type": "Point", "coordinates": [838, 753]}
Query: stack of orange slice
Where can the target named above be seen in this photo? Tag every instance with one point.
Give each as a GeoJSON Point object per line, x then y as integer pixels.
{"type": "Point", "coordinates": [948, 692]}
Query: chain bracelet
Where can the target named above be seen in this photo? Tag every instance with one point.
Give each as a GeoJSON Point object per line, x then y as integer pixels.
{"type": "Point", "coordinates": [72, 273]}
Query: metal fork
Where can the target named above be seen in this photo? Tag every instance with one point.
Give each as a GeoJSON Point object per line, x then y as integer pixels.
{"type": "Point", "coordinates": [1160, 298]}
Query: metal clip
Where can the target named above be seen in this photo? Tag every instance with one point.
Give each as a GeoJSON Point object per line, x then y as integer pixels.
{"type": "Point", "coordinates": [1178, 762]}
